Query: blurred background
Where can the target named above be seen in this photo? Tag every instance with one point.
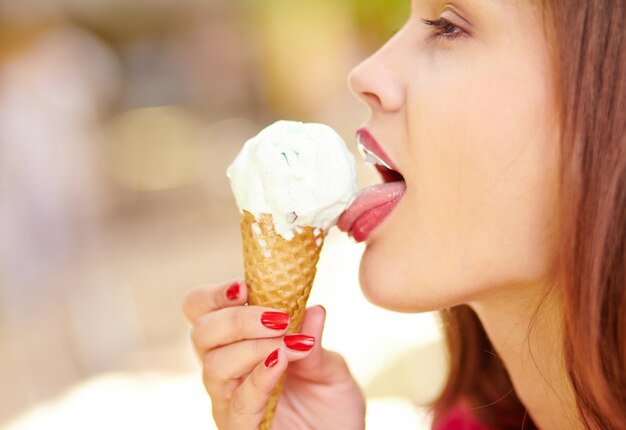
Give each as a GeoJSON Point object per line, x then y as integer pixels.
{"type": "Point", "coordinates": [117, 122]}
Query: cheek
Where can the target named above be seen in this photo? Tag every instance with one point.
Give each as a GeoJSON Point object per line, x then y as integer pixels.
{"type": "Point", "coordinates": [493, 172]}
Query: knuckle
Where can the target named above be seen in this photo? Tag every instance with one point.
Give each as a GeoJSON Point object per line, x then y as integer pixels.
{"type": "Point", "coordinates": [193, 336]}
{"type": "Point", "coordinates": [337, 359]}
{"type": "Point", "coordinates": [239, 320]}
{"type": "Point", "coordinates": [210, 367]}
{"type": "Point", "coordinates": [199, 340]}
{"type": "Point", "coordinates": [238, 405]}
{"type": "Point", "coordinates": [263, 347]}
{"type": "Point", "coordinates": [187, 305]}
{"type": "Point", "coordinates": [256, 384]}
{"type": "Point", "coordinates": [216, 368]}
{"type": "Point", "coordinates": [217, 387]}
{"type": "Point", "coordinates": [209, 384]}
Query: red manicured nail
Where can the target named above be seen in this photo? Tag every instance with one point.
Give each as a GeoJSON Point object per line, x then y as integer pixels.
{"type": "Point", "coordinates": [299, 342]}
{"type": "Point", "coordinates": [275, 320]}
{"type": "Point", "coordinates": [272, 359]}
{"type": "Point", "coordinates": [233, 291]}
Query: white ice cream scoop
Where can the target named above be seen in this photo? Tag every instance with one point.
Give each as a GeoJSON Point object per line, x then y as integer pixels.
{"type": "Point", "coordinates": [300, 173]}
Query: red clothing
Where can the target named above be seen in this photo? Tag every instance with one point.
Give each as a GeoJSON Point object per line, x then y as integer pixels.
{"type": "Point", "coordinates": [459, 418]}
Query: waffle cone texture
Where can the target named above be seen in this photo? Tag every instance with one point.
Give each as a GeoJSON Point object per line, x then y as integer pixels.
{"type": "Point", "coordinates": [279, 274]}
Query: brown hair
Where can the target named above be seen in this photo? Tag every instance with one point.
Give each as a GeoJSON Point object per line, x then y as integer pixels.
{"type": "Point", "coordinates": [590, 67]}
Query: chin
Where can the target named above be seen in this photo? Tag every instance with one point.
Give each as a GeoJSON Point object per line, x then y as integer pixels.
{"type": "Point", "coordinates": [395, 281]}
{"type": "Point", "coordinates": [395, 290]}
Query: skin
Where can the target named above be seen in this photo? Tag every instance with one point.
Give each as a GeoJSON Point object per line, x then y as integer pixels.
{"type": "Point", "coordinates": [471, 123]}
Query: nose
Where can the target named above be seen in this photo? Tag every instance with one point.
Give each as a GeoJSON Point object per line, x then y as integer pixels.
{"type": "Point", "coordinates": [376, 80]}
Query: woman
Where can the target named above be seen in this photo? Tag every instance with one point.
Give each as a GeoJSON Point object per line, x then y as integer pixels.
{"type": "Point", "coordinates": [506, 121]}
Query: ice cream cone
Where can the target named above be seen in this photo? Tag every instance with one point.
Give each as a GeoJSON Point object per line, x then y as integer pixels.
{"type": "Point", "coordinates": [290, 175]}
{"type": "Point", "coordinates": [279, 274]}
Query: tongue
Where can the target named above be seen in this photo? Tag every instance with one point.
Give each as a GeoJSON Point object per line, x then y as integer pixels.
{"type": "Point", "coordinates": [379, 199]}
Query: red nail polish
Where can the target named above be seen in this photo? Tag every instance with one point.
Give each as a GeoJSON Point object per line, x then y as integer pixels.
{"type": "Point", "coordinates": [233, 291]}
{"type": "Point", "coordinates": [272, 359]}
{"type": "Point", "coordinates": [299, 342]}
{"type": "Point", "coordinates": [275, 320]}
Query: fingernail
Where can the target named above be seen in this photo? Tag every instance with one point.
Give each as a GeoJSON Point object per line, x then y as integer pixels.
{"type": "Point", "coordinates": [233, 291]}
{"type": "Point", "coordinates": [272, 359]}
{"type": "Point", "coordinates": [275, 320]}
{"type": "Point", "coordinates": [299, 342]}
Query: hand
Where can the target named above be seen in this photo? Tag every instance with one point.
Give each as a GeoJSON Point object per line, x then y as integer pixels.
{"type": "Point", "coordinates": [244, 351]}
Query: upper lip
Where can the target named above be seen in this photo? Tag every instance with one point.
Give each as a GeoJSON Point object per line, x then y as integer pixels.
{"type": "Point", "coordinates": [369, 142]}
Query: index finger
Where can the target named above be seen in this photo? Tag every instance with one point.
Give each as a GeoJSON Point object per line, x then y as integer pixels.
{"type": "Point", "coordinates": [207, 298]}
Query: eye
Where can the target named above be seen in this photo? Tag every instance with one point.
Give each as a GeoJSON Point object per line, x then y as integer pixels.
{"type": "Point", "coordinates": [442, 28]}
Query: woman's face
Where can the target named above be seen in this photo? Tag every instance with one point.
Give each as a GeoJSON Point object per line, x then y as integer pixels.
{"type": "Point", "coordinates": [464, 108]}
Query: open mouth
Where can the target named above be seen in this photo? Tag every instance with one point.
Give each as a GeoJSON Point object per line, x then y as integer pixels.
{"type": "Point", "coordinates": [373, 204]}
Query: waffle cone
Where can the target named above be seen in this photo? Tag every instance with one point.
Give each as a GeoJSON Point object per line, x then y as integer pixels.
{"type": "Point", "coordinates": [279, 274]}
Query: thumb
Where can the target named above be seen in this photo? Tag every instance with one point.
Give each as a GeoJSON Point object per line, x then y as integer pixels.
{"type": "Point", "coordinates": [320, 365]}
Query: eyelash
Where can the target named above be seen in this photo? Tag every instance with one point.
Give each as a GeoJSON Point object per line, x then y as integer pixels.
{"type": "Point", "coordinates": [442, 28]}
